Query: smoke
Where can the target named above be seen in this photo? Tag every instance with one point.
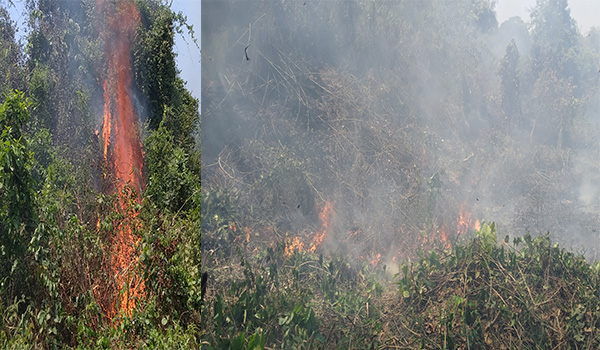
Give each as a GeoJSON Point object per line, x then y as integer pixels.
{"type": "Point", "coordinates": [394, 112]}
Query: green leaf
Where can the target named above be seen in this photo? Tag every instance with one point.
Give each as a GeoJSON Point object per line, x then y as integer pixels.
{"type": "Point", "coordinates": [238, 342]}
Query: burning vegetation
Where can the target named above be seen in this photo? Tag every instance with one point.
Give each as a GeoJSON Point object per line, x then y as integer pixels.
{"type": "Point", "coordinates": [363, 146]}
{"type": "Point", "coordinates": [123, 156]}
{"type": "Point", "coordinates": [99, 178]}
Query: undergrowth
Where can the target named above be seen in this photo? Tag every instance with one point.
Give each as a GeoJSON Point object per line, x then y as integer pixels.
{"type": "Point", "coordinates": [300, 301]}
{"type": "Point", "coordinates": [524, 293]}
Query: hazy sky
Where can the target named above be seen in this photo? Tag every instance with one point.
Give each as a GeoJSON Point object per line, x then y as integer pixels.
{"type": "Point", "coordinates": [585, 12]}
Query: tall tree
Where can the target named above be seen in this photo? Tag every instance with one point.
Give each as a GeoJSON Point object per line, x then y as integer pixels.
{"type": "Point", "coordinates": [11, 76]}
{"type": "Point", "coordinates": [510, 85]}
{"type": "Point", "coordinates": [554, 37]}
{"type": "Point", "coordinates": [554, 109]}
{"type": "Point", "coordinates": [156, 74]}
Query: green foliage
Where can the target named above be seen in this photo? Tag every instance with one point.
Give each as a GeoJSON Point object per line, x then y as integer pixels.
{"type": "Point", "coordinates": [15, 164]}
{"type": "Point", "coordinates": [17, 219]}
{"type": "Point", "coordinates": [11, 57]}
{"type": "Point", "coordinates": [43, 242]}
{"type": "Point", "coordinates": [170, 103]}
{"type": "Point", "coordinates": [171, 261]}
{"type": "Point", "coordinates": [543, 296]}
{"type": "Point", "coordinates": [42, 85]}
{"type": "Point", "coordinates": [53, 221]}
{"type": "Point", "coordinates": [155, 60]}
{"type": "Point", "coordinates": [298, 301]}
{"type": "Point", "coordinates": [171, 180]}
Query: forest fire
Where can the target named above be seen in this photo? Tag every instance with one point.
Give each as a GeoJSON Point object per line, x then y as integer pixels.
{"type": "Point", "coordinates": [444, 236]}
{"type": "Point", "coordinates": [412, 145]}
{"type": "Point", "coordinates": [465, 222]}
{"type": "Point", "coordinates": [462, 225]}
{"type": "Point", "coordinates": [297, 245]}
{"type": "Point", "coordinates": [375, 260]}
{"type": "Point", "coordinates": [122, 153]}
{"type": "Point", "coordinates": [106, 128]}
{"type": "Point", "coordinates": [325, 218]}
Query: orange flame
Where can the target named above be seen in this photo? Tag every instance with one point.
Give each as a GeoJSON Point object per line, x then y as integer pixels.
{"type": "Point", "coordinates": [444, 236]}
{"type": "Point", "coordinates": [444, 232]}
{"type": "Point", "coordinates": [465, 222]}
{"type": "Point", "coordinates": [106, 128]}
{"type": "Point", "coordinates": [325, 217]}
{"type": "Point", "coordinates": [125, 159]}
{"type": "Point", "coordinates": [376, 259]}
{"type": "Point", "coordinates": [247, 230]}
{"type": "Point", "coordinates": [294, 245]}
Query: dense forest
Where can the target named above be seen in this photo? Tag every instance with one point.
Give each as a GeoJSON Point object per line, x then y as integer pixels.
{"type": "Point", "coordinates": [399, 174]}
{"type": "Point", "coordinates": [99, 178]}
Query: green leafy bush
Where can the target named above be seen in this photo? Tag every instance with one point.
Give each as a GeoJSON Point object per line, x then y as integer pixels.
{"type": "Point", "coordinates": [298, 301]}
{"type": "Point", "coordinates": [529, 294]}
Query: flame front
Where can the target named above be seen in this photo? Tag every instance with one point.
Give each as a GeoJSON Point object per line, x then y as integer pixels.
{"type": "Point", "coordinates": [444, 232]}
{"type": "Point", "coordinates": [325, 218]}
{"type": "Point", "coordinates": [123, 154]}
{"type": "Point", "coordinates": [465, 222]}
{"type": "Point", "coordinates": [441, 234]}
{"type": "Point", "coordinates": [106, 128]}
{"type": "Point", "coordinates": [296, 244]}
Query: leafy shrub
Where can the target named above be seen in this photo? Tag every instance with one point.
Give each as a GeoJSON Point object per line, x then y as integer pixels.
{"type": "Point", "coordinates": [171, 181]}
{"type": "Point", "coordinates": [528, 294]}
{"type": "Point", "coordinates": [292, 301]}
{"type": "Point", "coordinates": [171, 265]}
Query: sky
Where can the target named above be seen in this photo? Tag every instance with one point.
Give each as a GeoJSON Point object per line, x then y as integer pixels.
{"type": "Point", "coordinates": [188, 55]}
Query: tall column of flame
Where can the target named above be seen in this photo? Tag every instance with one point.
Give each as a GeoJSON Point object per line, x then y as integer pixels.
{"type": "Point", "coordinates": [106, 122]}
{"type": "Point", "coordinates": [122, 150]}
